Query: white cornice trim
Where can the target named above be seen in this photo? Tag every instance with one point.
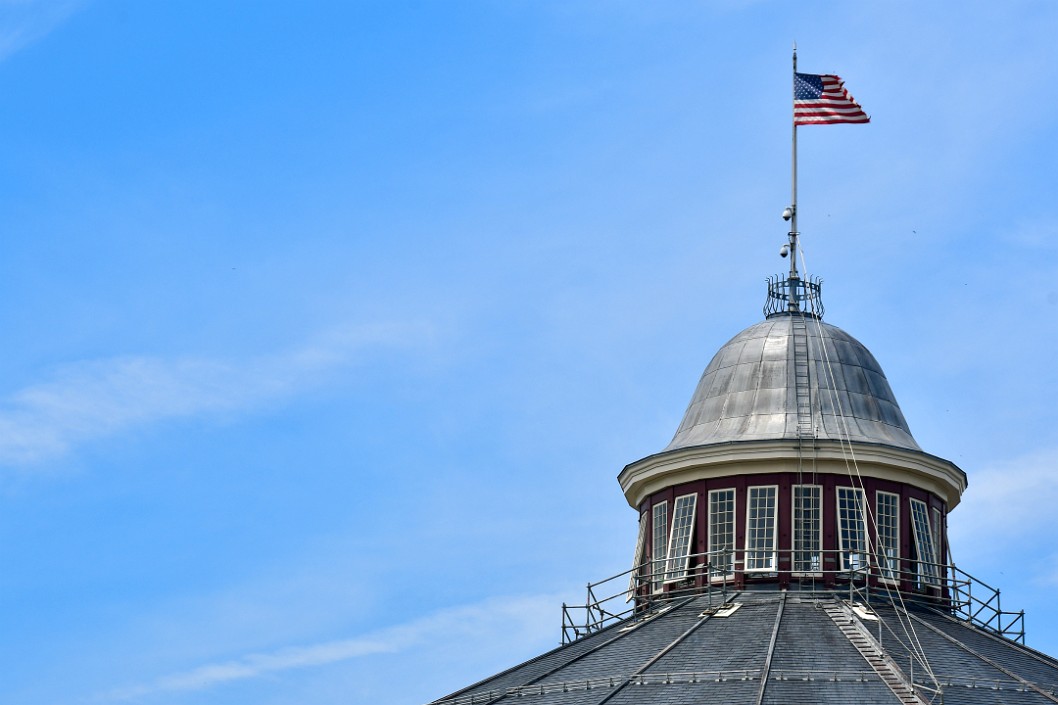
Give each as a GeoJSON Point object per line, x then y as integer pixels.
{"type": "Point", "coordinates": [656, 472]}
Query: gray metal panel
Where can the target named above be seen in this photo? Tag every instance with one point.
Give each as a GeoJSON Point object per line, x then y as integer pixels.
{"type": "Point", "coordinates": [710, 410]}
{"type": "Point", "coordinates": [855, 380]}
{"type": "Point", "coordinates": [768, 399]}
{"type": "Point", "coordinates": [731, 352]}
{"type": "Point", "coordinates": [879, 385]}
{"type": "Point", "coordinates": [774, 346]}
{"type": "Point", "coordinates": [741, 403]}
{"type": "Point", "coordinates": [753, 350]}
{"type": "Point", "coordinates": [748, 390]}
{"type": "Point", "coordinates": [773, 374]}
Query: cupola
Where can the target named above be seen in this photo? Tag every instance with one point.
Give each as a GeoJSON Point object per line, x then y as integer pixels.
{"type": "Point", "coordinates": [792, 543]}
{"type": "Point", "coordinates": [793, 466]}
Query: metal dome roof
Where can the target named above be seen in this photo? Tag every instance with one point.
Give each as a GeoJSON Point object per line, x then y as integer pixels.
{"type": "Point", "coordinates": [750, 390]}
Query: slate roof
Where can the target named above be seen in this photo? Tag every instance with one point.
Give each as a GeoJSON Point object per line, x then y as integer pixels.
{"type": "Point", "coordinates": [776, 649]}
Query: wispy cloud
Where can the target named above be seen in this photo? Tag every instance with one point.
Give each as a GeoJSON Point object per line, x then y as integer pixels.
{"type": "Point", "coordinates": [23, 22]}
{"type": "Point", "coordinates": [1005, 523]}
{"type": "Point", "coordinates": [99, 398]}
{"type": "Point", "coordinates": [513, 617]}
{"type": "Point", "coordinates": [1022, 487]}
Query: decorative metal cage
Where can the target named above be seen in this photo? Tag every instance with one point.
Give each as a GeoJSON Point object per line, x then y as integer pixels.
{"type": "Point", "coordinates": [793, 295]}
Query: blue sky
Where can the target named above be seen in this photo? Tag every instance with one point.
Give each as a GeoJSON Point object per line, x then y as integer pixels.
{"type": "Point", "coordinates": [328, 326]}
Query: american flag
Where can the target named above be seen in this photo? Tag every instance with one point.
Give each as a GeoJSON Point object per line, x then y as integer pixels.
{"type": "Point", "coordinates": [823, 100]}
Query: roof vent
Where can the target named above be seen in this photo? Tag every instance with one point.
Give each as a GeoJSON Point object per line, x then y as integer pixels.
{"type": "Point", "coordinates": [864, 612]}
{"type": "Point", "coordinates": [722, 611]}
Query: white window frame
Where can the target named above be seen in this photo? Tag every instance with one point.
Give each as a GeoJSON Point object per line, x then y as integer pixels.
{"type": "Point", "coordinates": [938, 538]}
{"type": "Point", "coordinates": [681, 534]}
{"type": "Point", "coordinates": [925, 551]}
{"type": "Point", "coordinates": [637, 560]}
{"type": "Point", "coordinates": [658, 554]}
{"type": "Point", "coordinates": [714, 546]}
{"type": "Point", "coordinates": [762, 559]}
{"type": "Point", "coordinates": [852, 558]}
{"type": "Point", "coordinates": [888, 551]}
{"type": "Point", "coordinates": [815, 554]}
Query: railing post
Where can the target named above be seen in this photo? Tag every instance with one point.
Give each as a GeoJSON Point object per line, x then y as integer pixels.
{"type": "Point", "coordinates": [587, 611]}
{"type": "Point", "coordinates": [565, 616]}
{"type": "Point", "coordinates": [709, 582]}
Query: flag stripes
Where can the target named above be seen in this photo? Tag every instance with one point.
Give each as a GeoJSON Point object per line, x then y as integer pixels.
{"type": "Point", "coordinates": [824, 100]}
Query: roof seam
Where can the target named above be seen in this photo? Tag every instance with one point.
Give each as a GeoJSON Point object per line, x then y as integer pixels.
{"type": "Point", "coordinates": [766, 669]}
{"type": "Point", "coordinates": [650, 662]}
{"type": "Point", "coordinates": [982, 657]}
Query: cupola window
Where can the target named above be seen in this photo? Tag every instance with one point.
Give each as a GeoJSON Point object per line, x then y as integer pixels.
{"type": "Point", "coordinates": [760, 529]}
{"type": "Point", "coordinates": [807, 529]}
{"type": "Point", "coordinates": [658, 544]}
{"type": "Point", "coordinates": [722, 531]}
{"type": "Point", "coordinates": [938, 540]}
{"type": "Point", "coordinates": [889, 535]}
{"type": "Point", "coordinates": [924, 545]}
{"type": "Point", "coordinates": [851, 534]}
{"type": "Point", "coordinates": [637, 561]}
{"type": "Point", "coordinates": [680, 541]}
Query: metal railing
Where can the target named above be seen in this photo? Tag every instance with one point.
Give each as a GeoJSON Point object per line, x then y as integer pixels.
{"type": "Point", "coordinates": [639, 593]}
{"type": "Point", "coordinates": [629, 595]}
{"type": "Point", "coordinates": [957, 596]}
{"type": "Point", "coordinates": [984, 611]}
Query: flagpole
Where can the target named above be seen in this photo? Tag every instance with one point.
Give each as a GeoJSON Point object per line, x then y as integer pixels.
{"type": "Point", "coordinates": [792, 291]}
